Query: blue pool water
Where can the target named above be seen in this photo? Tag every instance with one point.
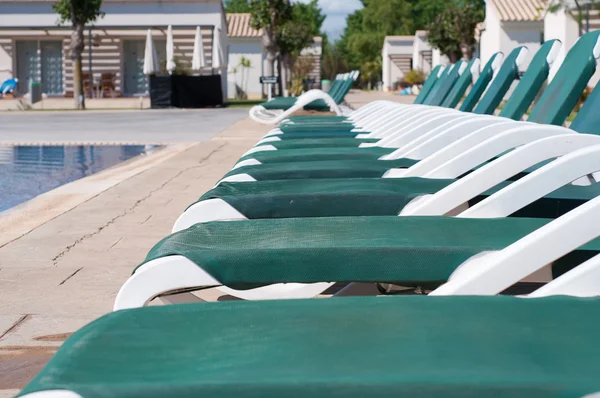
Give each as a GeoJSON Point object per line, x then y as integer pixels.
{"type": "Point", "coordinates": [28, 171]}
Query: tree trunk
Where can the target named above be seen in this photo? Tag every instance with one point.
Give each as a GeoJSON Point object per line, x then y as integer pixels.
{"type": "Point", "coordinates": [467, 51]}
{"type": "Point", "coordinates": [453, 57]}
{"type": "Point", "coordinates": [270, 46]}
{"type": "Point", "coordinates": [77, 45]}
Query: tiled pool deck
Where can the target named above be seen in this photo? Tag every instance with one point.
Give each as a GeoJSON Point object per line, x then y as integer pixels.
{"type": "Point", "coordinates": [65, 267]}
{"type": "Point", "coordinates": [64, 256]}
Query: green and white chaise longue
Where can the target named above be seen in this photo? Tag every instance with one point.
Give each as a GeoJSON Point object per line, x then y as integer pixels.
{"type": "Point", "coordinates": [413, 249]}
{"type": "Point", "coordinates": [272, 112]}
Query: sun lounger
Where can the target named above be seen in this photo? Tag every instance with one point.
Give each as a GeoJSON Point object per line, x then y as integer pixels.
{"type": "Point", "coordinates": [279, 108]}
{"type": "Point", "coordinates": [404, 250]}
{"type": "Point", "coordinates": [351, 347]}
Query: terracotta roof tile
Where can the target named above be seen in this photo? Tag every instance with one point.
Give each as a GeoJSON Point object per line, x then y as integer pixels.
{"type": "Point", "coordinates": [238, 25]}
{"type": "Point", "coordinates": [519, 10]}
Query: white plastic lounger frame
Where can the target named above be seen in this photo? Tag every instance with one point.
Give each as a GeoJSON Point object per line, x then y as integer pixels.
{"type": "Point", "coordinates": [176, 273]}
{"type": "Point", "coordinates": [494, 272]}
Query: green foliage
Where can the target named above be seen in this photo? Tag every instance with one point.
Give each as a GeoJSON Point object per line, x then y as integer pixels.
{"type": "Point", "coordinates": [309, 14]}
{"type": "Point", "coordinates": [300, 72]}
{"type": "Point", "coordinates": [270, 14]}
{"type": "Point", "coordinates": [453, 30]}
{"type": "Point", "coordinates": [233, 6]}
{"type": "Point", "coordinates": [370, 72]}
{"type": "Point", "coordinates": [579, 10]}
{"type": "Point", "coordinates": [333, 61]}
{"type": "Point", "coordinates": [78, 11]}
{"type": "Point", "coordinates": [366, 28]}
{"type": "Point", "coordinates": [293, 37]}
{"type": "Point", "coordinates": [290, 25]}
{"type": "Point", "coordinates": [182, 67]}
{"type": "Point", "coordinates": [415, 76]}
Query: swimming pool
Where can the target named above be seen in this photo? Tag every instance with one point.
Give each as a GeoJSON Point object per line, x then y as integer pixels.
{"type": "Point", "coordinates": [28, 171]}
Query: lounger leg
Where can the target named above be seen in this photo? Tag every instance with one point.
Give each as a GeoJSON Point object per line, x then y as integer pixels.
{"type": "Point", "coordinates": [181, 298]}
{"type": "Point", "coordinates": [359, 289]}
{"type": "Point", "coordinates": [162, 276]}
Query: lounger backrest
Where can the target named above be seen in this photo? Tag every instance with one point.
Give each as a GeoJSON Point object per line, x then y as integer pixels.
{"type": "Point", "coordinates": [482, 83]}
{"type": "Point", "coordinates": [446, 85]}
{"type": "Point", "coordinates": [506, 75]}
{"type": "Point", "coordinates": [346, 85]}
{"type": "Point", "coordinates": [566, 87]}
{"type": "Point", "coordinates": [462, 83]}
{"type": "Point", "coordinates": [434, 75]}
{"type": "Point", "coordinates": [438, 83]}
{"type": "Point", "coordinates": [532, 81]}
{"type": "Point", "coordinates": [587, 120]}
{"type": "Point", "coordinates": [337, 85]}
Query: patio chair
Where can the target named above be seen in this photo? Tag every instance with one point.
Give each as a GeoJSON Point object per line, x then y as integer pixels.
{"type": "Point", "coordinates": [553, 107]}
{"type": "Point", "coordinates": [107, 84]}
{"type": "Point", "coordinates": [305, 254]}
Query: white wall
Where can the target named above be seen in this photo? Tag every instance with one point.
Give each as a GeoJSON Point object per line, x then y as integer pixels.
{"type": "Point", "coordinates": [490, 36]}
{"type": "Point", "coordinates": [154, 13]}
{"type": "Point", "coordinates": [32, 14]}
{"type": "Point", "coordinates": [6, 64]}
{"type": "Point", "coordinates": [419, 62]}
{"type": "Point", "coordinates": [390, 72]}
{"type": "Point", "coordinates": [521, 34]}
{"type": "Point", "coordinates": [251, 48]}
{"type": "Point", "coordinates": [560, 25]}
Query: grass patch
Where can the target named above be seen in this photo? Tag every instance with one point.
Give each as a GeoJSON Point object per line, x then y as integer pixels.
{"type": "Point", "coordinates": [243, 103]}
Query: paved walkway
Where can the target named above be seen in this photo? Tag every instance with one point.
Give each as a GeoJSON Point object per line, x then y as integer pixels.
{"type": "Point", "coordinates": [148, 126]}
{"type": "Point", "coordinates": [66, 272]}
{"type": "Point", "coordinates": [75, 247]}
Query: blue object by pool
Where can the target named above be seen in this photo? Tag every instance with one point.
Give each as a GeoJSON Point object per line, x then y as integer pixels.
{"type": "Point", "coordinates": [28, 171]}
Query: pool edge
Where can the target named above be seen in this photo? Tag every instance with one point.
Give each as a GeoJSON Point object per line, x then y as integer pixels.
{"type": "Point", "coordinates": [27, 216]}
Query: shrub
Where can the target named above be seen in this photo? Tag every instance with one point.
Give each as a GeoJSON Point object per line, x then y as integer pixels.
{"type": "Point", "coordinates": [415, 76]}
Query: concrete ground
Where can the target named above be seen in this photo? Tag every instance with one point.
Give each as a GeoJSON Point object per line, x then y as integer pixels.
{"type": "Point", "coordinates": [65, 254]}
{"type": "Point", "coordinates": [57, 103]}
{"type": "Point", "coordinates": [147, 126]}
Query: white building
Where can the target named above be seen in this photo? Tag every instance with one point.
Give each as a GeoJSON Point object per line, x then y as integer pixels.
{"type": "Point", "coordinates": [422, 52]}
{"type": "Point", "coordinates": [562, 25]}
{"type": "Point", "coordinates": [509, 24]}
{"type": "Point", "coordinates": [33, 46]}
{"type": "Point", "coordinates": [246, 42]}
{"type": "Point", "coordinates": [397, 59]}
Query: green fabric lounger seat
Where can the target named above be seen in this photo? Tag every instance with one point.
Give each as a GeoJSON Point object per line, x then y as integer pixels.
{"type": "Point", "coordinates": [322, 169]}
{"type": "Point", "coordinates": [349, 347]}
{"type": "Point", "coordinates": [367, 197]}
{"type": "Point", "coordinates": [553, 107]}
{"type": "Point", "coordinates": [409, 251]}
{"type": "Point", "coordinates": [316, 154]}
